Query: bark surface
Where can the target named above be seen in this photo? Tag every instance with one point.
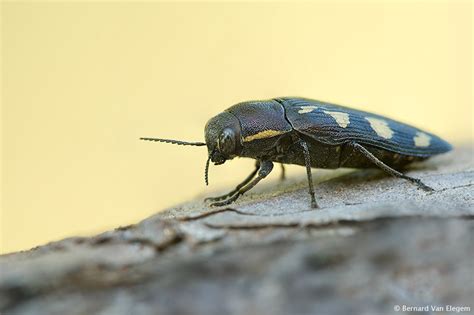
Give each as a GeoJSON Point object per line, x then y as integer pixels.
{"type": "Point", "coordinates": [377, 242]}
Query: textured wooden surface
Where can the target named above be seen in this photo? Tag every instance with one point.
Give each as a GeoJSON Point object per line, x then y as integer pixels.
{"type": "Point", "coordinates": [377, 242]}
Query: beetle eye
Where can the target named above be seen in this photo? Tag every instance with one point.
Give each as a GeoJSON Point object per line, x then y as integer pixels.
{"type": "Point", "coordinates": [226, 142]}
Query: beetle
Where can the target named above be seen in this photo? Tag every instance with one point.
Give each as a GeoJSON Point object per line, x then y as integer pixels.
{"type": "Point", "coordinates": [314, 134]}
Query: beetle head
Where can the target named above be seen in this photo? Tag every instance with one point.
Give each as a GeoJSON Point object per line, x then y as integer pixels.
{"type": "Point", "coordinates": [222, 134]}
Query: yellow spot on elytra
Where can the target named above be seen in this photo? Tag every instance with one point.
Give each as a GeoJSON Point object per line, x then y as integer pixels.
{"type": "Point", "coordinates": [342, 119]}
{"type": "Point", "coordinates": [307, 109]}
{"type": "Point", "coordinates": [380, 127]}
{"type": "Point", "coordinates": [421, 139]}
{"type": "Point", "coordinates": [263, 135]}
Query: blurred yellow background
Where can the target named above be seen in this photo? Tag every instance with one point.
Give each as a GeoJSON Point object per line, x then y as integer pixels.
{"type": "Point", "coordinates": [81, 82]}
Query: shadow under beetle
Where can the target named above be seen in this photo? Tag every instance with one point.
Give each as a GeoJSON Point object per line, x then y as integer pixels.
{"type": "Point", "coordinates": [311, 133]}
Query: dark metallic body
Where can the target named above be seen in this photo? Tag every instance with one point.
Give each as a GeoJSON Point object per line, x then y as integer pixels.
{"type": "Point", "coordinates": [313, 134]}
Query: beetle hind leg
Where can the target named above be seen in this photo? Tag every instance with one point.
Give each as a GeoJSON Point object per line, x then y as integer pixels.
{"type": "Point", "coordinates": [388, 169]}
{"type": "Point", "coordinates": [239, 186]}
{"type": "Point", "coordinates": [263, 171]}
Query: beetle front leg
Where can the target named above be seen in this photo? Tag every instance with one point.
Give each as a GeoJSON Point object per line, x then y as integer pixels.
{"type": "Point", "coordinates": [388, 169]}
{"type": "Point", "coordinates": [265, 169]}
{"type": "Point", "coordinates": [239, 186]}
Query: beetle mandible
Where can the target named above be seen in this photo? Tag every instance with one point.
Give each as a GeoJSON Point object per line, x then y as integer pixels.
{"type": "Point", "coordinates": [314, 134]}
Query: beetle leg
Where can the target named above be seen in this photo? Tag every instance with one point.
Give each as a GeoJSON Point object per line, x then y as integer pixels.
{"type": "Point", "coordinates": [265, 169]}
{"type": "Point", "coordinates": [388, 169]}
{"type": "Point", "coordinates": [307, 160]}
{"type": "Point", "coordinates": [283, 172]}
{"type": "Point", "coordinates": [236, 189]}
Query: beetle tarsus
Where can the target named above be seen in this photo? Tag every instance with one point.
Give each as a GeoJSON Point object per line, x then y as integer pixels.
{"type": "Point", "coordinates": [222, 197]}
{"type": "Point", "coordinates": [420, 184]}
{"type": "Point", "coordinates": [225, 202]}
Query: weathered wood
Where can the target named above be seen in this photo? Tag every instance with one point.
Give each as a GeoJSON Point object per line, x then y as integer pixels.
{"type": "Point", "coordinates": [378, 242]}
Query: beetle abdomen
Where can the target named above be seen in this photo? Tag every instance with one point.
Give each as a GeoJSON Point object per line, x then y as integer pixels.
{"type": "Point", "coordinates": [336, 125]}
{"type": "Point", "coordinates": [336, 156]}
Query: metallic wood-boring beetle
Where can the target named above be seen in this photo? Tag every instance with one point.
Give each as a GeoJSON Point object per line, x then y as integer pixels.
{"type": "Point", "coordinates": [292, 130]}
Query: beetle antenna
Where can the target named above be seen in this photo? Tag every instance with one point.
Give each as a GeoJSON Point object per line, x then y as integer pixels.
{"type": "Point", "coordinates": [178, 142]}
{"type": "Point", "coordinates": [206, 172]}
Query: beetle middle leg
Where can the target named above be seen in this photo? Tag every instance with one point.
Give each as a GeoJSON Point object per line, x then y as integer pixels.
{"type": "Point", "coordinates": [307, 160]}
{"type": "Point", "coordinates": [239, 186]}
{"type": "Point", "coordinates": [263, 171]}
{"type": "Point", "coordinates": [388, 169]}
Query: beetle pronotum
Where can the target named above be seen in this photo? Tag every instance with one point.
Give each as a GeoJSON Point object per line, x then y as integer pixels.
{"type": "Point", "coordinates": [292, 130]}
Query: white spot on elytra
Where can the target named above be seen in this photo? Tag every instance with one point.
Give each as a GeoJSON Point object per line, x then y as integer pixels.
{"type": "Point", "coordinates": [342, 119]}
{"type": "Point", "coordinates": [380, 127]}
{"type": "Point", "coordinates": [421, 139]}
{"type": "Point", "coordinates": [307, 109]}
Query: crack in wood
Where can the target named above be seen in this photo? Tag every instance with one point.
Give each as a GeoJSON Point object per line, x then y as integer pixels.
{"type": "Point", "coordinates": [333, 224]}
{"type": "Point", "coordinates": [212, 212]}
{"type": "Point", "coordinates": [454, 187]}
